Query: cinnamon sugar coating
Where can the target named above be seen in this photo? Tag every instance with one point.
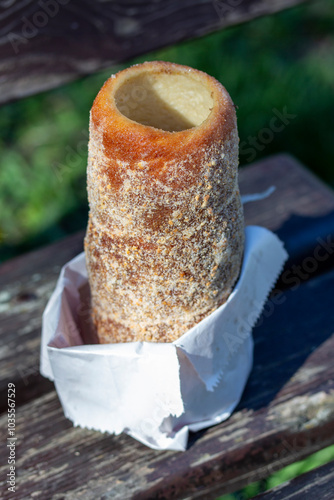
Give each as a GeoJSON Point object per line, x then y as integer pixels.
{"type": "Point", "coordinates": [165, 236]}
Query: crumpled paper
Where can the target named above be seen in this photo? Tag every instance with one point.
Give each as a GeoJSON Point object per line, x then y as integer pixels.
{"type": "Point", "coordinates": [157, 392]}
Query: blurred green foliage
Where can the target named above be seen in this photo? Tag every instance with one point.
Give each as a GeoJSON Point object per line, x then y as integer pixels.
{"type": "Point", "coordinates": [319, 458]}
{"type": "Point", "coordinates": [280, 62]}
{"type": "Point", "coordinates": [283, 61]}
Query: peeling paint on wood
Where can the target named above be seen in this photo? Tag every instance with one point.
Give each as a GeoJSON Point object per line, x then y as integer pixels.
{"type": "Point", "coordinates": [40, 50]}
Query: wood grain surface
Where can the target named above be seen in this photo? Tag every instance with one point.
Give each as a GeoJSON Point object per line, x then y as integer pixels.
{"type": "Point", "coordinates": [47, 43]}
{"type": "Point", "coordinates": [317, 483]}
{"type": "Point", "coordinates": [26, 282]}
{"type": "Point", "coordinates": [286, 413]}
{"type": "Point", "coordinates": [287, 410]}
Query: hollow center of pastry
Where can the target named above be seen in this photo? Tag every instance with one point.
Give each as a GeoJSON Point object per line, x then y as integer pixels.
{"type": "Point", "coordinates": [171, 102]}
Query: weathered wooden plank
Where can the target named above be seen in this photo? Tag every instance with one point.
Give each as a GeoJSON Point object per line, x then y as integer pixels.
{"type": "Point", "coordinates": [286, 413]}
{"type": "Point", "coordinates": [298, 192]}
{"type": "Point", "coordinates": [27, 282]}
{"type": "Point", "coordinates": [300, 211]}
{"type": "Point", "coordinates": [44, 44]}
{"type": "Point", "coordinates": [317, 483]}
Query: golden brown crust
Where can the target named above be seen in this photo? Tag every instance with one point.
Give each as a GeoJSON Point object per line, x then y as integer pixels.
{"type": "Point", "coordinates": [165, 236]}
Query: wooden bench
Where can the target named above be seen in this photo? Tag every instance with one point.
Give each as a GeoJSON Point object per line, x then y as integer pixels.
{"type": "Point", "coordinates": [50, 42]}
{"type": "Point", "coordinates": [287, 410]}
{"type": "Point", "coordinates": [317, 483]}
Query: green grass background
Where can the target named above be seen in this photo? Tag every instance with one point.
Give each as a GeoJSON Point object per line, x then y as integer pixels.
{"type": "Point", "coordinates": [276, 62]}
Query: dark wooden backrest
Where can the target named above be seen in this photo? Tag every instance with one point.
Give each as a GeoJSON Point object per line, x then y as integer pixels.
{"type": "Point", "coordinates": [47, 43]}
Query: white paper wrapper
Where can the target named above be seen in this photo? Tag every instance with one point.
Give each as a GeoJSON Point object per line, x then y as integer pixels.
{"type": "Point", "coordinates": [157, 392]}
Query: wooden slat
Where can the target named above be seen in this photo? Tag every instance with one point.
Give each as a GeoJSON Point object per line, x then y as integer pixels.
{"type": "Point", "coordinates": [286, 413]}
{"type": "Point", "coordinates": [299, 193]}
{"type": "Point", "coordinates": [27, 282]}
{"type": "Point", "coordinates": [300, 211]}
{"type": "Point", "coordinates": [318, 484]}
{"type": "Point", "coordinates": [47, 43]}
